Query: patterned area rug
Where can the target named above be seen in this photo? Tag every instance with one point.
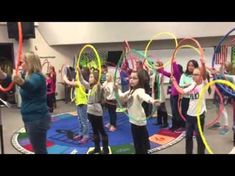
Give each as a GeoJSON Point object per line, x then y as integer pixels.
{"type": "Point", "coordinates": [65, 126]}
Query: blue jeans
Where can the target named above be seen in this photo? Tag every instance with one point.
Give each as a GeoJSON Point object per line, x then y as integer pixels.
{"type": "Point", "coordinates": [37, 132]}
{"type": "Point", "coordinates": [83, 120]}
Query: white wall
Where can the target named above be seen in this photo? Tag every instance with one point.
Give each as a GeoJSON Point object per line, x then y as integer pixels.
{"type": "Point", "coordinates": [63, 55]}
{"type": "Point", "coordinates": [59, 33]}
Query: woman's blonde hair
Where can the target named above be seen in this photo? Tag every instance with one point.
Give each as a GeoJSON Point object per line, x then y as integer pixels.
{"type": "Point", "coordinates": [33, 62]}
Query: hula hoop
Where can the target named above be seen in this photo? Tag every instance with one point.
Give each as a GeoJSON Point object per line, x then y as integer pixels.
{"type": "Point", "coordinates": [175, 52]}
{"type": "Point", "coordinates": [225, 90]}
{"type": "Point", "coordinates": [198, 108]}
{"type": "Point", "coordinates": [128, 55]}
{"type": "Point", "coordinates": [113, 65]}
{"type": "Point", "coordinates": [178, 47]}
{"type": "Point", "coordinates": [221, 108]}
{"type": "Point", "coordinates": [46, 62]}
{"type": "Point", "coordinates": [220, 96]}
{"type": "Point", "coordinates": [156, 35]}
{"type": "Point", "coordinates": [10, 86]}
{"type": "Point", "coordinates": [98, 60]}
{"type": "Point", "coordinates": [64, 78]}
{"type": "Point", "coordinates": [127, 49]}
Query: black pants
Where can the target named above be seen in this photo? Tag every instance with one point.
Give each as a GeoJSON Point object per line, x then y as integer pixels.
{"type": "Point", "coordinates": [162, 114]}
{"type": "Point", "coordinates": [146, 109]}
{"type": "Point", "coordinates": [140, 138]}
{"type": "Point", "coordinates": [191, 126]}
{"type": "Point", "coordinates": [54, 100]}
{"type": "Point", "coordinates": [184, 109]}
{"type": "Point", "coordinates": [111, 106]}
{"type": "Point", "coordinates": [67, 90]}
{"type": "Point", "coordinates": [175, 111]}
{"type": "Point", "coordinates": [98, 129]}
{"type": "Point", "coordinates": [50, 102]}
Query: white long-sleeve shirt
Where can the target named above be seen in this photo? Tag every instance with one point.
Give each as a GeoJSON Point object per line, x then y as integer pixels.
{"type": "Point", "coordinates": [193, 91]}
{"type": "Point", "coordinates": [134, 105]}
{"type": "Point", "coordinates": [108, 90]}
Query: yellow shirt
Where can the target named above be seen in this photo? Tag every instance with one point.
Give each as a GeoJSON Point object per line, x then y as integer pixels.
{"type": "Point", "coordinates": [80, 97]}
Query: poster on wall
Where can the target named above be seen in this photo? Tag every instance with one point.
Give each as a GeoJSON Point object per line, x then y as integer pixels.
{"type": "Point", "coordinates": [90, 60]}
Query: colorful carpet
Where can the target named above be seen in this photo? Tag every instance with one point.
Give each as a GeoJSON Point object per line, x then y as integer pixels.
{"type": "Point", "coordinates": [65, 126]}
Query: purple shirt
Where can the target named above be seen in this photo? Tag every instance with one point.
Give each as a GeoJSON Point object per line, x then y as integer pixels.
{"type": "Point", "coordinates": [176, 74]}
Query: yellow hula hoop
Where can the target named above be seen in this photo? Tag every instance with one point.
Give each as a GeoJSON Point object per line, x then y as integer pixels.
{"type": "Point", "coordinates": [198, 108]}
{"type": "Point", "coordinates": [98, 60]}
{"type": "Point", "coordinates": [156, 35]}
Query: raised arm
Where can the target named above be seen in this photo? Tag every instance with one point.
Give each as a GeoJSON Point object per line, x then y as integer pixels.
{"type": "Point", "coordinates": [203, 69]}
{"type": "Point", "coordinates": [81, 79]}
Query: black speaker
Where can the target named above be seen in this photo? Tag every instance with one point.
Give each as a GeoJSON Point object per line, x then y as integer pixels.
{"type": "Point", "coordinates": [28, 30]}
{"type": "Point", "coordinates": [114, 56]}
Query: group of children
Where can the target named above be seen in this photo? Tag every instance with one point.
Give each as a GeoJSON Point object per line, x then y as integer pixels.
{"type": "Point", "coordinates": [93, 96]}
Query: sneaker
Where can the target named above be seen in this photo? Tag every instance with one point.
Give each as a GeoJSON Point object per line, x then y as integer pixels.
{"type": "Point", "coordinates": [108, 125]}
{"type": "Point", "coordinates": [94, 151]}
{"type": "Point", "coordinates": [112, 128]}
{"type": "Point", "coordinates": [105, 151]}
{"type": "Point", "coordinates": [77, 138]}
{"type": "Point", "coordinates": [216, 125]}
{"type": "Point", "coordinates": [84, 140]}
{"type": "Point", "coordinates": [224, 131]}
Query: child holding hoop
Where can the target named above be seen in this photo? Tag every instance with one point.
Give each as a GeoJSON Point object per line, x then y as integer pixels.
{"type": "Point", "coordinates": [134, 98]}
{"type": "Point", "coordinates": [199, 77]}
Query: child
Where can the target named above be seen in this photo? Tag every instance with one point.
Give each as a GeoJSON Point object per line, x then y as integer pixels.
{"type": "Point", "coordinates": [53, 76]}
{"type": "Point", "coordinates": [174, 94]}
{"type": "Point", "coordinates": [104, 70]}
{"type": "Point", "coordinates": [110, 101]}
{"type": "Point", "coordinates": [81, 103]}
{"type": "Point", "coordinates": [124, 77]}
{"type": "Point", "coordinates": [134, 98]}
{"type": "Point", "coordinates": [224, 69]}
{"type": "Point", "coordinates": [186, 80]}
{"type": "Point", "coordinates": [158, 93]}
{"type": "Point", "coordinates": [95, 111]}
{"type": "Point", "coordinates": [49, 83]}
{"type": "Point", "coordinates": [199, 77]}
